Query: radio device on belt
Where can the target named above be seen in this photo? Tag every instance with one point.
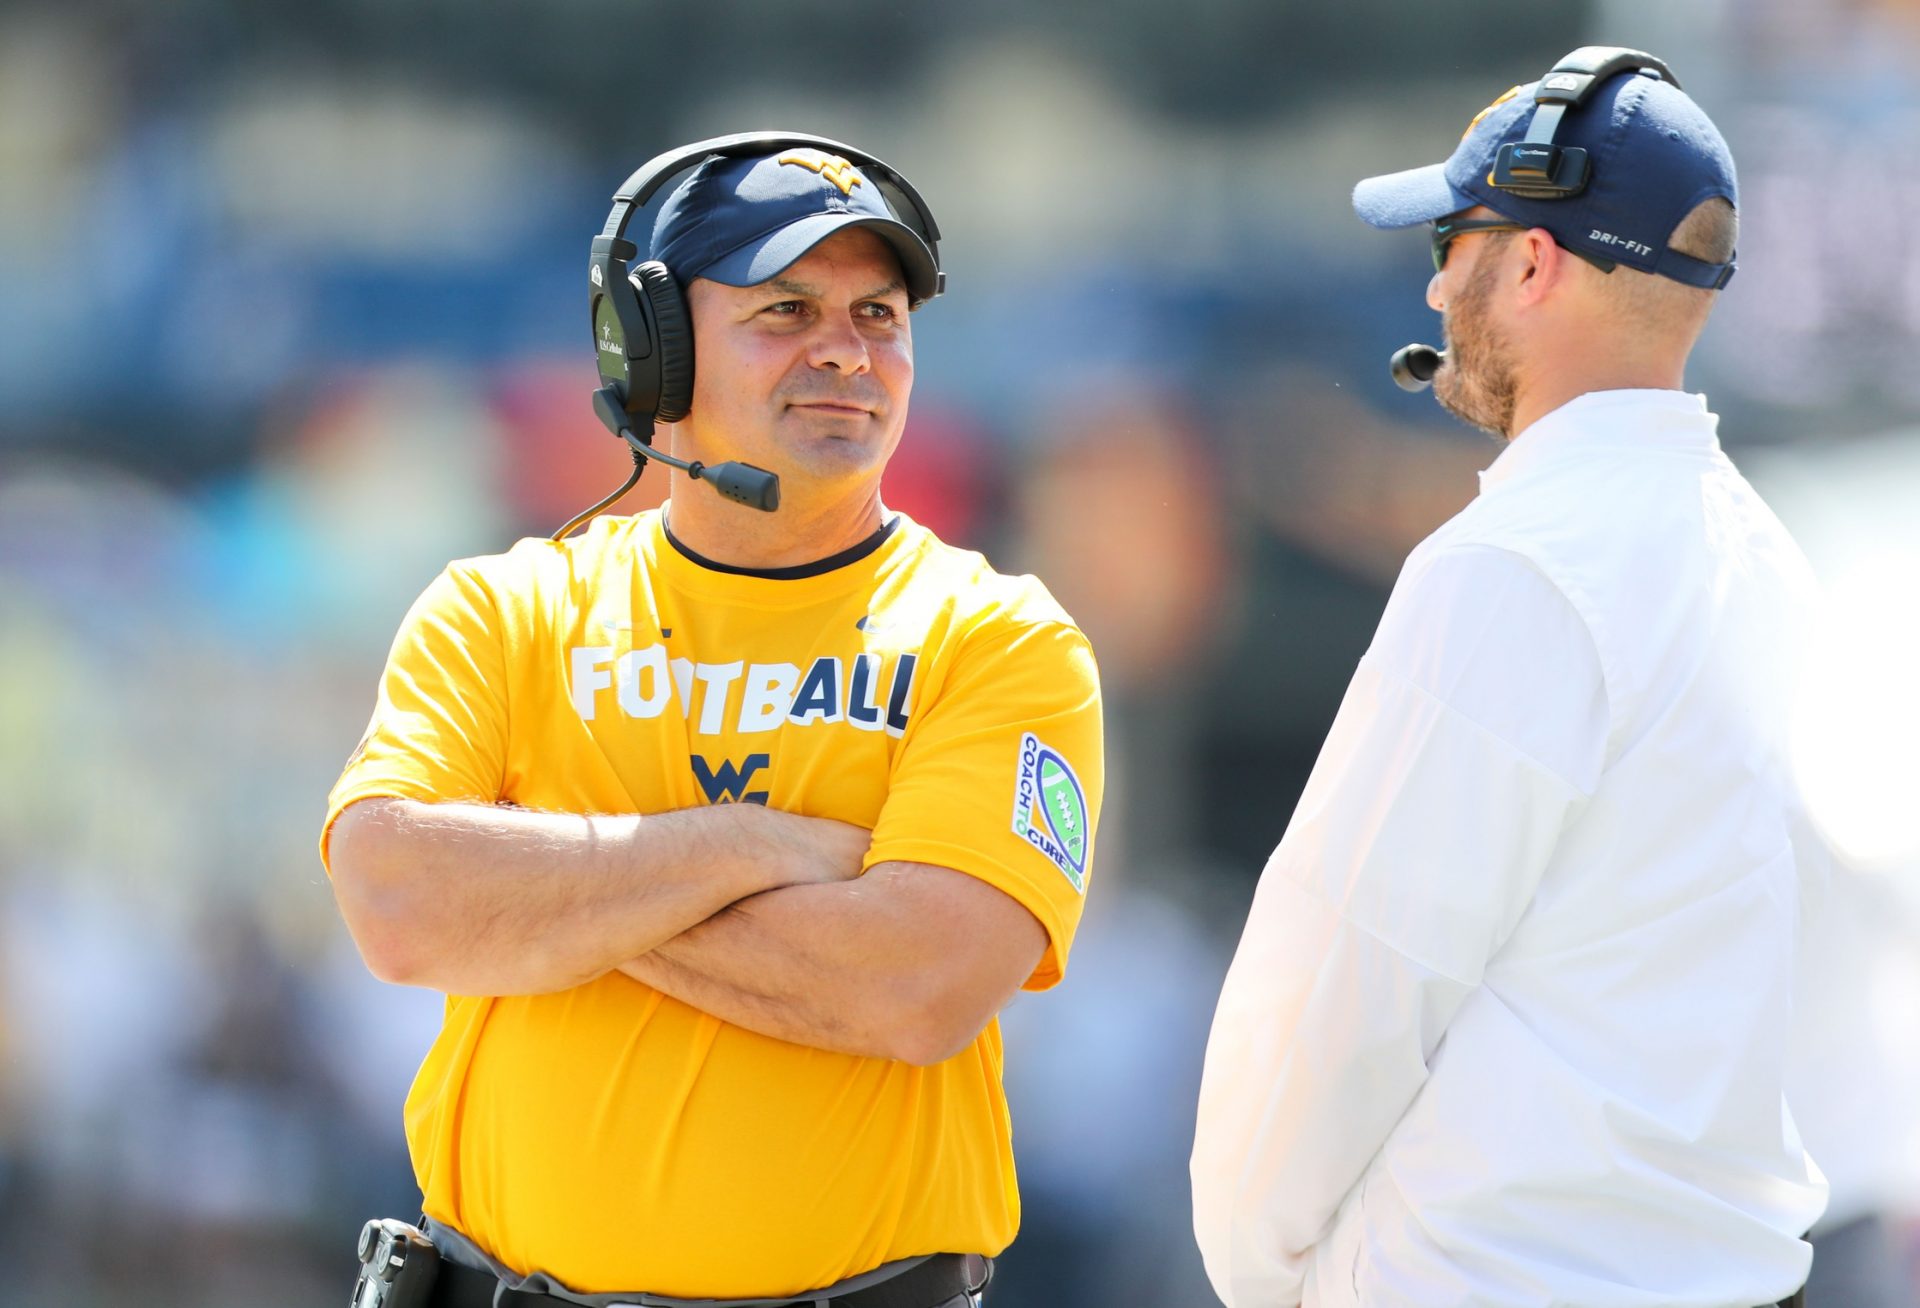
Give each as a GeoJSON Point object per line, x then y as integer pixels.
{"type": "Point", "coordinates": [397, 1266]}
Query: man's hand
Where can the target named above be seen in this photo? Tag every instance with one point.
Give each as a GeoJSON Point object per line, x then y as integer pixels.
{"type": "Point", "coordinates": [805, 850]}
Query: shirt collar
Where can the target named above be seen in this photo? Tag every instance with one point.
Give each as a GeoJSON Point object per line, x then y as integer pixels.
{"type": "Point", "coordinates": [1636, 419]}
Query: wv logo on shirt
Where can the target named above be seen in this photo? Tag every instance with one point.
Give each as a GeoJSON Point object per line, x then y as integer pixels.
{"type": "Point", "coordinates": [1050, 809]}
{"type": "Point", "coordinates": [728, 784]}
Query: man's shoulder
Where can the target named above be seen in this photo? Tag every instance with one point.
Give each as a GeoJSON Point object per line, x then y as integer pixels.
{"type": "Point", "coordinates": [517, 591]}
{"type": "Point", "coordinates": [535, 562]}
{"type": "Point", "coordinates": [1489, 554]}
{"type": "Point", "coordinates": [1558, 521]}
{"type": "Point", "coordinates": [967, 586]}
{"type": "Point", "coordinates": [1495, 531]}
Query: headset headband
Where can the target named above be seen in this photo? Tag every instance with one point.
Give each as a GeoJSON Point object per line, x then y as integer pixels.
{"type": "Point", "coordinates": [896, 189]}
{"type": "Point", "coordinates": [643, 338]}
{"type": "Point", "coordinates": [623, 336]}
{"type": "Point", "coordinates": [1534, 166]}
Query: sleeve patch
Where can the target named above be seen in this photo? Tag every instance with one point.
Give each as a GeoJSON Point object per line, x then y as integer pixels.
{"type": "Point", "coordinates": [1050, 809]}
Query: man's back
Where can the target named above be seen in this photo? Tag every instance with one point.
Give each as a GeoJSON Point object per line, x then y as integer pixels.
{"type": "Point", "coordinates": [1603, 1122]}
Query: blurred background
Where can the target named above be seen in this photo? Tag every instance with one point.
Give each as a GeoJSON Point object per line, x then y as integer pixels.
{"type": "Point", "coordinates": [292, 310]}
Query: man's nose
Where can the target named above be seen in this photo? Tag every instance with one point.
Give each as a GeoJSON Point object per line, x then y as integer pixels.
{"type": "Point", "coordinates": [837, 344]}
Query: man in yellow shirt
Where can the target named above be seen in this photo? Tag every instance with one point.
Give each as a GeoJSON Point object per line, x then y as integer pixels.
{"type": "Point", "coordinates": [727, 833]}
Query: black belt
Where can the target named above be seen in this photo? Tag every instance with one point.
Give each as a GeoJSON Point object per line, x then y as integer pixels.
{"type": "Point", "coordinates": [936, 1281]}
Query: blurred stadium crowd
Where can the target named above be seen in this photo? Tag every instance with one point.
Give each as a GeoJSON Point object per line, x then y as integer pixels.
{"type": "Point", "coordinates": [292, 310]}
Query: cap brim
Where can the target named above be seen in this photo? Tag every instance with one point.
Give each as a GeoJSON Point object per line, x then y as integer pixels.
{"type": "Point", "coordinates": [768, 256]}
{"type": "Point", "coordinates": [1408, 199]}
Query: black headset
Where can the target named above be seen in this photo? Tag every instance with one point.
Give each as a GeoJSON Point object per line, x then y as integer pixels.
{"type": "Point", "coordinates": [643, 338]}
{"type": "Point", "coordinates": [643, 334]}
{"type": "Point", "coordinates": [1534, 167]}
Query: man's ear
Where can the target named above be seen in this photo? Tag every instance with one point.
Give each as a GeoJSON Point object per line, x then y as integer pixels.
{"type": "Point", "coordinates": [1541, 267]}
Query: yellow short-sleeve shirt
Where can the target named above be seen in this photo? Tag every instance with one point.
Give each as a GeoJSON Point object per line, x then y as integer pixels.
{"type": "Point", "coordinates": [612, 1136]}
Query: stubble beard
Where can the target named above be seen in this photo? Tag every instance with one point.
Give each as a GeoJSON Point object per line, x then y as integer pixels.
{"type": "Point", "coordinates": [1476, 384]}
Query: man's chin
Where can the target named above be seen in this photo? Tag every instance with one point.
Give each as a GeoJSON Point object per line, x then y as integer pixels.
{"type": "Point", "coordinates": [1475, 410]}
{"type": "Point", "coordinates": [832, 450]}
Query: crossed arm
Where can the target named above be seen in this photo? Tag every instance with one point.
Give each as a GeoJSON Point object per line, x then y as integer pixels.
{"type": "Point", "coordinates": [756, 916]}
{"type": "Point", "coordinates": [909, 961]}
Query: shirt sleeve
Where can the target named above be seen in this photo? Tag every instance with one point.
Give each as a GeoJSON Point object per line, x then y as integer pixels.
{"type": "Point", "coordinates": [439, 728]}
{"type": "Point", "coordinates": [1471, 732]}
{"type": "Point", "coordinates": [1001, 777]}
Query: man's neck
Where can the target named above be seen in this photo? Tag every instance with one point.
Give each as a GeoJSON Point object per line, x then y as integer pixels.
{"type": "Point", "coordinates": [795, 534]}
{"type": "Point", "coordinates": [1550, 391]}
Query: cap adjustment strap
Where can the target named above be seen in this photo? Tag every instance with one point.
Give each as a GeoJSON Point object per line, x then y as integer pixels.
{"type": "Point", "coordinates": [1689, 271]}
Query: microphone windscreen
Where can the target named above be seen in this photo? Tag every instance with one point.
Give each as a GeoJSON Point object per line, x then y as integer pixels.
{"type": "Point", "coordinates": [745, 484]}
{"type": "Point", "coordinates": [1413, 366]}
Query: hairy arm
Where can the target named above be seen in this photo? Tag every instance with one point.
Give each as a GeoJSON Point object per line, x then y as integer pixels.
{"type": "Point", "coordinates": [909, 961]}
{"type": "Point", "coordinates": [482, 900]}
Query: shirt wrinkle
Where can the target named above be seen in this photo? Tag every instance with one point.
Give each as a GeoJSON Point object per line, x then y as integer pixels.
{"type": "Point", "coordinates": [1516, 750]}
{"type": "Point", "coordinates": [1584, 611]}
{"type": "Point", "coordinates": [1340, 912]}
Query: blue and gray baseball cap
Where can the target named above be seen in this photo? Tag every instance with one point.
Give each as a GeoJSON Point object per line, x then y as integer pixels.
{"type": "Point", "coordinates": [740, 221]}
{"type": "Point", "coordinates": [1654, 157]}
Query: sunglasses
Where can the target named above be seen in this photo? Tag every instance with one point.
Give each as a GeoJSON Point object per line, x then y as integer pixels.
{"type": "Point", "coordinates": [1446, 229]}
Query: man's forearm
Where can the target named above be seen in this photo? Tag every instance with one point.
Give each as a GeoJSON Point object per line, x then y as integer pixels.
{"type": "Point", "coordinates": [477, 899]}
{"type": "Point", "coordinates": [907, 962]}
{"type": "Point", "coordinates": [771, 964]}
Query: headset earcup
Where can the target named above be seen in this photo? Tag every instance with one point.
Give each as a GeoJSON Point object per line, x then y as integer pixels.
{"type": "Point", "coordinates": [673, 338]}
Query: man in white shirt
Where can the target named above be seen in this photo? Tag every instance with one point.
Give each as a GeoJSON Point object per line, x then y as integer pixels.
{"type": "Point", "coordinates": [1508, 1022]}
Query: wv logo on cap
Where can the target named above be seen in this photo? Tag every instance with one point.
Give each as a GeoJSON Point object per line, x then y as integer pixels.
{"type": "Point", "coordinates": [1044, 781]}
{"type": "Point", "coordinates": [832, 167]}
{"type": "Point", "coordinates": [1481, 116]}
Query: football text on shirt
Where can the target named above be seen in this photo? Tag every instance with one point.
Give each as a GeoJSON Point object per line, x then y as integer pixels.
{"type": "Point", "coordinates": [641, 683]}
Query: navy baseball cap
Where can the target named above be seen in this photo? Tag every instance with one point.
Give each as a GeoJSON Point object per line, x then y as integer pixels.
{"type": "Point", "coordinates": [740, 221]}
{"type": "Point", "coordinates": [1654, 156]}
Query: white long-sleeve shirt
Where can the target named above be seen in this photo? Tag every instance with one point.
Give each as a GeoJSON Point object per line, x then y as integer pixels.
{"type": "Point", "coordinates": [1507, 1025]}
